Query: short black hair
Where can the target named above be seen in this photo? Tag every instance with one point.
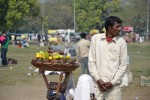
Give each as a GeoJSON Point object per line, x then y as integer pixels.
{"type": "Point", "coordinates": [110, 21]}
{"type": "Point", "coordinates": [83, 35]}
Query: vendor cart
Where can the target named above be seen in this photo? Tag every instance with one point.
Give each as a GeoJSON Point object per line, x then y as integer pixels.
{"type": "Point", "coordinates": [55, 88]}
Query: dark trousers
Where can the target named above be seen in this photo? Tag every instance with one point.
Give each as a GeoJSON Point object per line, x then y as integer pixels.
{"type": "Point", "coordinates": [84, 65]}
{"type": "Point", "coordinates": [3, 55]}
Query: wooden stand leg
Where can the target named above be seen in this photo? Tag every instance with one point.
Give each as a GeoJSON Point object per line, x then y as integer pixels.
{"type": "Point", "coordinates": [59, 83]}
{"type": "Point", "coordinates": [67, 75]}
{"type": "Point", "coordinates": [45, 79]}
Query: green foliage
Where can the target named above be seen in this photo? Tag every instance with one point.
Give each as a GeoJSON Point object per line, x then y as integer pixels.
{"type": "Point", "coordinates": [60, 14]}
{"type": "Point", "coordinates": [90, 14]}
{"type": "Point", "coordinates": [16, 11]}
{"type": "Point", "coordinates": [3, 11]}
{"type": "Point", "coordinates": [134, 13]}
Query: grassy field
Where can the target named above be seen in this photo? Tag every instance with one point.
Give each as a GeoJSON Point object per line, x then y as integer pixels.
{"type": "Point", "coordinates": [16, 75]}
{"type": "Point", "coordinates": [140, 65]}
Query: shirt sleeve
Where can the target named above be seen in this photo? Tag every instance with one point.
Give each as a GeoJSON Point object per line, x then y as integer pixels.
{"type": "Point", "coordinates": [6, 43]}
{"type": "Point", "coordinates": [123, 64]}
{"type": "Point", "coordinates": [78, 51]}
{"type": "Point", "coordinates": [92, 60]}
{"type": "Point", "coordinates": [88, 43]}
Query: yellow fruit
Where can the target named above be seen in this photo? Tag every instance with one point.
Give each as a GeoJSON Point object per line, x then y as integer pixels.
{"type": "Point", "coordinates": [60, 56]}
{"type": "Point", "coordinates": [50, 58]}
{"type": "Point", "coordinates": [40, 56]}
{"type": "Point", "coordinates": [56, 57]}
{"type": "Point", "coordinates": [41, 52]}
{"type": "Point", "coordinates": [46, 55]}
{"type": "Point", "coordinates": [36, 55]}
{"type": "Point", "coordinates": [43, 57]}
{"type": "Point", "coordinates": [68, 56]}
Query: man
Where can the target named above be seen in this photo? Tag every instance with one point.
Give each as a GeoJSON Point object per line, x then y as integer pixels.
{"type": "Point", "coordinates": [4, 48]}
{"type": "Point", "coordinates": [82, 53]}
{"type": "Point", "coordinates": [13, 39]}
{"type": "Point", "coordinates": [108, 60]}
{"type": "Point", "coordinates": [39, 38]}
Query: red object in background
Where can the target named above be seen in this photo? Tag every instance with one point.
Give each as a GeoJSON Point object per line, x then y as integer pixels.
{"type": "Point", "coordinates": [127, 28]}
{"type": "Point", "coordinates": [19, 45]}
{"type": "Point", "coordinates": [2, 38]}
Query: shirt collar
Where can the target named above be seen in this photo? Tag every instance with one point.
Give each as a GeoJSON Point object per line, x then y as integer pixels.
{"type": "Point", "coordinates": [104, 37]}
{"type": "Point", "coordinates": [82, 39]}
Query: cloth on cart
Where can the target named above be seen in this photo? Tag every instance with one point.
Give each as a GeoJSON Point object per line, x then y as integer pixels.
{"type": "Point", "coordinates": [127, 78]}
{"type": "Point", "coordinates": [70, 88]}
{"type": "Point", "coordinates": [64, 93]}
{"type": "Point", "coordinates": [51, 95]}
{"type": "Point", "coordinates": [85, 88]}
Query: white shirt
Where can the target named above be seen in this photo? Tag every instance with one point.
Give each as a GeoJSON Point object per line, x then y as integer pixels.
{"type": "Point", "coordinates": [107, 61]}
{"type": "Point", "coordinates": [83, 48]}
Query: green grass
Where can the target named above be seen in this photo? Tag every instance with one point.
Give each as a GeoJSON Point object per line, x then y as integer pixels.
{"type": "Point", "coordinates": [17, 74]}
{"type": "Point", "coordinates": [139, 62]}
{"type": "Point", "coordinates": [14, 74]}
{"type": "Point", "coordinates": [139, 59]}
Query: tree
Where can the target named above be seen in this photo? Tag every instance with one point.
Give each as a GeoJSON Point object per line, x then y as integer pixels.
{"type": "Point", "coordinates": [60, 14]}
{"type": "Point", "coordinates": [16, 11]}
{"type": "Point", "coordinates": [90, 14]}
{"type": "Point", "coordinates": [3, 12]}
{"type": "Point", "coordinates": [133, 14]}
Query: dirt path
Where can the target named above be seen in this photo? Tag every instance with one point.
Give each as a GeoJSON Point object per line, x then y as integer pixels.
{"type": "Point", "coordinates": [26, 92]}
{"type": "Point", "coordinates": [38, 92]}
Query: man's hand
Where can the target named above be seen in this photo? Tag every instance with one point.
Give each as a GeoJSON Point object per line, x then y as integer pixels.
{"type": "Point", "coordinates": [108, 85]}
{"type": "Point", "coordinates": [101, 85]}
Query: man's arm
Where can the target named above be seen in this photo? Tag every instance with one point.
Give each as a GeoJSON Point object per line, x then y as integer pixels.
{"type": "Point", "coordinates": [92, 65]}
{"type": "Point", "coordinates": [123, 64]}
{"type": "Point", "coordinates": [78, 51]}
{"type": "Point", "coordinates": [92, 60]}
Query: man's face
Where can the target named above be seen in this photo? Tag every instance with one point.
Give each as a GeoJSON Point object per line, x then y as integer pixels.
{"type": "Point", "coordinates": [115, 29]}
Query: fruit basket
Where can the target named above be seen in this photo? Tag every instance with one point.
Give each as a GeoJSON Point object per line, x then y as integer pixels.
{"type": "Point", "coordinates": [55, 61]}
{"type": "Point", "coordinates": [51, 66]}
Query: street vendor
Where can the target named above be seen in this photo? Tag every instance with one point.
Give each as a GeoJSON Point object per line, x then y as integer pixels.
{"type": "Point", "coordinates": [108, 60]}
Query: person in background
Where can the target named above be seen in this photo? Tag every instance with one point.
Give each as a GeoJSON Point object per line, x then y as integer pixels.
{"type": "Point", "coordinates": [108, 60]}
{"type": "Point", "coordinates": [127, 78]}
{"type": "Point", "coordinates": [24, 43]}
{"type": "Point", "coordinates": [39, 38]}
{"type": "Point", "coordinates": [55, 46]}
{"type": "Point", "coordinates": [46, 37]}
{"type": "Point", "coordinates": [82, 53]}
{"type": "Point", "coordinates": [13, 39]}
{"type": "Point", "coordinates": [70, 50]}
{"type": "Point", "coordinates": [92, 33]}
{"type": "Point", "coordinates": [4, 48]}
